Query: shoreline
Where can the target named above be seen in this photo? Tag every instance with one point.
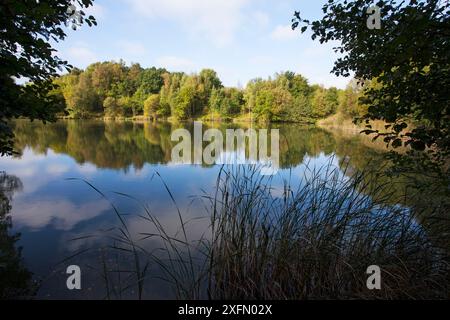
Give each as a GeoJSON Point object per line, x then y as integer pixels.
{"type": "Point", "coordinates": [246, 118]}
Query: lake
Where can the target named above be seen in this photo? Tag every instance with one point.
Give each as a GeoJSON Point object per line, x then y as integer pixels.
{"type": "Point", "coordinates": [68, 174]}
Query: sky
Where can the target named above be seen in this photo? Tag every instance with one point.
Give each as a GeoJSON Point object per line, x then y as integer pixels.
{"type": "Point", "coordinates": [240, 39]}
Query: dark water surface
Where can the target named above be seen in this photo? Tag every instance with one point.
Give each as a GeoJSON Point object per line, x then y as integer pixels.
{"type": "Point", "coordinates": [58, 217]}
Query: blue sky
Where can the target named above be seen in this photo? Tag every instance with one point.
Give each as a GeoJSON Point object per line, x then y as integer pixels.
{"type": "Point", "coordinates": [240, 39]}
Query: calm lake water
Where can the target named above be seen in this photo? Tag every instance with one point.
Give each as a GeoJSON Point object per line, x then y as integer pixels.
{"type": "Point", "coordinates": [59, 215]}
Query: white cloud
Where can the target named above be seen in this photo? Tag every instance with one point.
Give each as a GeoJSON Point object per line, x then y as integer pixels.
{"type": "Point", "coordinates": [331, 80]}
{"type": "Point", "coordinates": [56, 169]}
{"type": "Point", "coordinates": [261, 18]}
{"type": "Point", "coordinates": [87, 169]}
{"type": "Point", "coordinates": [283, 33]}
{"type": "Point", "coordinates": [97, 11]}
{"type": "Point", "coordinates": [261, 60]}
{"type": "Point", "coordinates": [322, 75]}
{"type": "Point", "coordinates": [61, 214]}
{"type": "Point", "coordinates": [173, 63]}
{"type": "Point", "coordinates": [316, 49]}
{"type": "Point", "coordinates": [81, 56]}
{"type": "Point", "coordinates": [132, 50]}
{"type": "Point", "coordinates": [215, 20]}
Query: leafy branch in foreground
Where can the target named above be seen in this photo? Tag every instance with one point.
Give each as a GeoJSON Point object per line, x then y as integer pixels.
{"type": "Point", "coordinates": [26, 29]}
{"type": "Point", "coordinates": [408, 61]}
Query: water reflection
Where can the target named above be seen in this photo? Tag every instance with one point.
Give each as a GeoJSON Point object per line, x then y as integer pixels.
{"type": "Point", "coordinates": [116, 145]}
{"type": "Point", "coordinates": [124, 157]}
{"type": "Point", "coordinates": [15, 279]}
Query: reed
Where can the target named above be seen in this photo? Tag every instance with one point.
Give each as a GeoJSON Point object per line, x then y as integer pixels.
{"type": "Point", "coordinates": [314, 241]}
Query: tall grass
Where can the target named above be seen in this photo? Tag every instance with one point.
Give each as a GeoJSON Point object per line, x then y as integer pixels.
{"type": "Point", "coordinates": [314, 241]}
{"type": "Point", "coordinates": [317, 242]}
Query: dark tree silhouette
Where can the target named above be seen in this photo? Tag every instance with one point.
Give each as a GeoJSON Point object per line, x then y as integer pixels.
{"type": "Point", "coordinates": [408, 62]}
{"type": "Point", "coordinates": [26, 27]}
{"type": "Point", "coordinates": [15, 280]}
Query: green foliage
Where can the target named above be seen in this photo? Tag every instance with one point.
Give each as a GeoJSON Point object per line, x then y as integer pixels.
{"type": "Point", "coordinates": [233, 101]}
{"type": "Point", "coordinates": [272, 104]}
{"type": "Point", "coordinates": [295, 83]}
{"type": "Point", "coordinates": [208, 81]}
{"type": "Point", "coordinates": [139, 98]}
{"type": "Point", "coordinates": [264, 103]}
{"type": "Point", "coordinates": [111, 107]}
{"type": "Point", "coordinates": [152, 106]}
{"type": "Point", "coordinates": [226, 101]}
{"type": "Point", "coordinates": [107, 78]}
{"type": "Point", "coordinates": [155, 93]}
{"type": "Point", "coordinates": [253, 87]}
{"type": "Point", "coordinates": [216, 100]}
{"type": "Point", "coordinates": [121, 107]}
{"type": "Point", "coordinates": [186, 103]}
{"type": "Point", "coordinates": [324, 102]}
{"type": "Point", "coordinates": [152, 80]}
{"type": "Point", "coordinates": [169, 91]}
{"type": "Point", "coordinates": [133, 79]}
{"type": "Point", "coordinates": [85, 101]}
{"type": "Point", "coordinates": [301, 110]}
{"type": "Point", "coordinates": [350, 105]}
{"type": "Point", "coordinates": [289, 98]}
{"type": "Point", "coordinates": [410, 59]}
{"type": "Point", "coordinates": [319, 106]}
{"type": "Point", "coordinates": [126, 106]}
{"type": "Point", "coordinates": [26, 30]}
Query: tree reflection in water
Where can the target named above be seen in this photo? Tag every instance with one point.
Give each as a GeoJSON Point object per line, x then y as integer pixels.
{"type": "Point", "coordinates": [15, 280]}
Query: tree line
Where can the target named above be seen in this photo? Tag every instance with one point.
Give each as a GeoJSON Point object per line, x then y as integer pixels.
{"type": "Point", "coordinates": [115, 90]}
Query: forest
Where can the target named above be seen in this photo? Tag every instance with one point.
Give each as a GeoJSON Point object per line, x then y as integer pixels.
{"type": "Point", "coordinates": [114, 90]}
{"type": "Point", "coordinates": [108, 196]}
